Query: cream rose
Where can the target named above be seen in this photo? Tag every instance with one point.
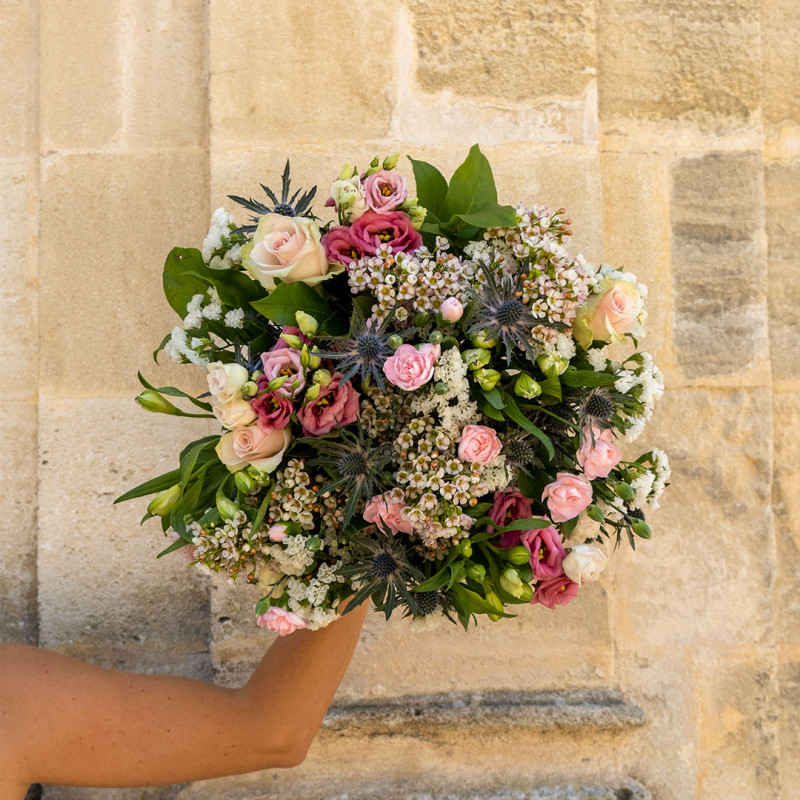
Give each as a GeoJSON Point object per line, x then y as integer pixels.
{"type": "Point", "coordinates": [584, 563]}
{"type": "Point", "coordinates": [225, 383]}
{"type": "Point", "coordinates": [609, 314]}
{"type": "Point", "coordinates": [288, 248]}
{"type": "Point", "coordinates": [251, 445]}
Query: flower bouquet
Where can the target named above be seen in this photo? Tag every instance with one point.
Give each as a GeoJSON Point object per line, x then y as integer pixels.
{"type": "Point", "coordinates": [421, 401]}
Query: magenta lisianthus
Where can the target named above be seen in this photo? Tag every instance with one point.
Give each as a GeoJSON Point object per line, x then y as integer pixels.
{"type": "Point", "coordinates": [340, 247]}
{"type": "Point", "coordinates": [335, 405]}
{"type": "Point", "coordinates": [373, 231]}
{"type": "Point", "coordinates": [273, 410]}
{"type": "Point", "coordinates": [547, 552]}
{"type": "Point", "coordinates": [552, 592]}
{"type": "Point", "coordinates": [384, 191]}
{"type": "Point", "coordinates": [509, 505]}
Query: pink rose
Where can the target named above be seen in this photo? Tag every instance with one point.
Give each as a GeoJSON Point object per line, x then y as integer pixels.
{"type": "Point", "coordinates": [372, 231]}
{"type": "Point", "coordinates": [384, 191]}
{"type": "Point", "coordinates": [552, 592]}
{"type": "Point", "coordinates": [272, 410]}
{"type": "Point", "coordinates": [452, 309]}
{"type": "Point", "coordinates": [340, 246]}
{"type": "Point", "coordinates": [288, 248]}
{"type": "Point", "coordinates": [567, 496]}
{"type": "Point", "coordinates": [277, 532]}
{"type": "Point", "coordinates": [411, 367]}
{"type": "Point", "coordinates": [335, 405]}
{"type": "Point", "coordinates": [547, 552]}
{"type": "Point", "coordinates": [509, 505]}
{"type": "Point", "coordinates": [479, 443]}
{"type": "Point", "coordinates": [615, 310]}
{"type": "Point", "coordinates": [598, 459]}
{"type": "Point", "coordinates": [280, 621]}
{"type": "Point", "coordinates": [251, 445]}
{"type": "Point", "coordinates": [282, 361]}
{"type": "Point", "coordinates": [389, 513]}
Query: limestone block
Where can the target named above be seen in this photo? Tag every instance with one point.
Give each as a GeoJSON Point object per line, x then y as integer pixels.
{"type": "Point", "coordinates": [789, 719]}
{"type": "Point", "coordinates": [718, 263]}
{"type": "Point", "coordinates": [780, 48]}
{"type": "Point", "coordinates": [299, 71]}
{"type": "Point", "coordinates": [18, 463]}
{"type": "Point", "coordinates": [103, 595]}
{"type": "Point", "coordinates": [782, 185]}
{"type": "Point", "coordinates": [19, 35]}
{"type": "Point", "coordinates": [738, 744]}
{"type": "Point", "coordinates": [696, 581]}
{"type": "Point", "coordinates": [677, 60]}
{"type": "Point", "coordinates": [102, 254]}
{"type": "Point", "coordinates": [18, 311]}
{"type": "Point", "coordinates": [636, 234]}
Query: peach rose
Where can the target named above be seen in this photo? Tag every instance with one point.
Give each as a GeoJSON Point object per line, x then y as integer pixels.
{"type": "Point", "coordinates": [288, 248]}
{"type": "Point", "coordinates": [567, 496]}
{"type": "Point", "coordinates": [609, 314]}
{"type": "Point", "coordinates": [225, 383]}
{"type": "Point", "coordinates": [411, 367]}
{"type": "Point", "coordinates": [251, 445]}
{"type": "Point", "coordinates": [281, 621]}
{"type": "Point", "coordinates": [479, 443]}
{"type": "Point", "coordinates": [598, 459]}
{"type": "Point", "coordinates": [388, 513]}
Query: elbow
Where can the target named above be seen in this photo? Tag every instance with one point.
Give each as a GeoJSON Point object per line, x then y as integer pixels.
{"type": "Point", "coordinates": [285, 752]}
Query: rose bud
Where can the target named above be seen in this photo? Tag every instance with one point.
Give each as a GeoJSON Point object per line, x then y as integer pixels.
{"type": "Point", "coordinates": [452, 309]}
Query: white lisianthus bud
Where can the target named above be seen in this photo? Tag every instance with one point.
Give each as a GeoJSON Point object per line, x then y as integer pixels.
{"type": "Point", "coordinates": [584, 563]}
{"type": "Point", "coordinates": [552, 364]}
{"type": "Point", "coordinates": [307, 324]}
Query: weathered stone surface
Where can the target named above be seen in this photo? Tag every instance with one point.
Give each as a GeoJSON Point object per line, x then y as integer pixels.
{"type": "Point", "coordinates": [789, 719]}
{"type": "Point", "coordinates": [780, 49]}
{"type": "Point", "coordinates": [125, 214]}
{"type": "Point", "coordinates": [782, 184]}
{"type": "Point", "coordinates": [18, 477]}
{"type": "Point", "coordinates": [273, 76]}
{"type": "Point", "coordinates": [503, 49]}
{"type": "Point", "coordinates": [103, 595]}
{"type": "Point", "coordinates": [718, 263]}
{"type": "Point", "coordinates": [19, 36]}
{"type": "Point", "coordinates": [738, 696]}
{"type": "Point", "coordinates": [677, 60]}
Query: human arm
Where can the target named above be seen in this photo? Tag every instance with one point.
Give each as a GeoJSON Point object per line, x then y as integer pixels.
{"type": "Point", "coordinates": [67, 722]}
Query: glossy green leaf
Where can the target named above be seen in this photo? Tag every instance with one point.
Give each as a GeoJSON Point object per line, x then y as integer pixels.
{"type": "Point", "coordinates": [282, 304]}
{"type": "Point", "coordinates": [513, 413]}
{"type": "Point", "coordinates": [431, 187]}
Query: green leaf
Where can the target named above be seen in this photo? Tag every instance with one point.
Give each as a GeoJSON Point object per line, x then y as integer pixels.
{"type": "Point", "coordinates": [191, 454]}
{"type": "Point", "coordinates": [474, 603]}
{"type": "Point", "coordinates": [431, 186]}
{"type": "Point", "coordinates": [434, 582]}
{"type": "Point", "coordinates": [569, 526]}
{"type": "Point", "coordinates": [489, 410]}
{"type": "Point", "coordinates": [586, 378]}
{"type": "Point", "coordinates": [173, 392]}
{"type": "Point", "coordinates": [478, 510]}
{"type": "Point", "coordinates": [491, 215]}
{"type": "Point", "coordinates": [471, 187]}
{"type": "Point", "coordinates": [512, 412]}
{"type": "Point", "coordinates": [176, 545]}
{"type": "Point", "coordinates": [529, 524]}
{"type": "Point", "coordinates": [457, 572]}
{"type": "Point", "coordinates": [551, 386]}
{"type": "Point", "coordinates": [494, 398]}
{"type": "Point", "coordinates": [152, 486]}
{"type": "Point", "coordinates": [282, 304]}
{"type": "Point", "coordinates": [262, 511]}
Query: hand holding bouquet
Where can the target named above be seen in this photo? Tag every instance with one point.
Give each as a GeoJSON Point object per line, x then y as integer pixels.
{"type": "Point", "coordinates": [422, 401]}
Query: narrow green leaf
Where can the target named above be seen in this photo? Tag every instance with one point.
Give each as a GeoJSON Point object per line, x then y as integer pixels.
{"type": "Point", "coordinates": [529, 524]}
{"type": "Point", "coordinates": [586, 378]}
{"type": "Point", "coordinates": [173, 392]}
{"type": "Point", "coordinates": [434, 582]}
{"type": "Point", "coordinates": [189, 459]}
{"type": "Point", "coordinates": [431, 186]}
{"type": "Point", "coordinates": [495, 399]}
{"type": "Point", "coordinates": [471, 187]}
{"type": "Point", "coordinates": [486, 408]}
{"type": "Point", "coordinates": [512, 412]}
{"type": "Point", "coordinates": [457, 572]}
{"type": "Point", "coordinates": [551, 386]}
{"type": "Point", "coordinates": [152, 486]}
{"type": "Point", "coordinates": [176, 545]}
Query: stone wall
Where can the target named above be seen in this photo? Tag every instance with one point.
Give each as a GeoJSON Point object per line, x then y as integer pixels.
{"type": "Point", "coordinates": [669, 129]}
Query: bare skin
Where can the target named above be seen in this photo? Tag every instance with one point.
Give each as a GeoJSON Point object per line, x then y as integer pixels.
{"type": "Point", "coordinates": [66, 722]}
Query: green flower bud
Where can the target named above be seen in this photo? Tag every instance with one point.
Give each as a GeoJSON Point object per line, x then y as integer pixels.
{"type": "Point", "coordinates": [304, 357]}
{"type": "Point", "coordinates": [525, 572]}
{"type": "Point", "coordinates": [276, 383]}
{"type": "Point", "coordinates": [346, 173]}
{"type": "Point", "coordinates": [435, 337]}
{"type": "Point", "coordinates": [312, 393]}
{"type": "Point", "coordinates": [625, 491]}
{"type": "Point", "coordinates": [226, 507]}
{"type": "Point", "coordinates": [484, 339]}
{"type": "Point", "coordinates": [150, 400]}
{"type": "Point", "coordinates": [313, 543]}
{"type": "Point", "coordinates": [307, 324]}
{"type": "Point", "coordinates": [487, 378]}
{"type": "Point", "coordinates": [476, 572]}
{"type": "Point", "coordinates": [394, 341]}
{"type": "Point", "coordinates": [552, 364]}
{"type": "Point", "coordinates": [527, 387]}
{"type": "Point", "coordinates": [256, 375]}
{"type": "Point", "coordinates": [527, 593]}
{"type": "Point", "coordinates": [449, 342]}
{"type": "Point", "coordinates": [440, 387]}
{"type": "Point", "coordinates": [421, 319]}
{"type": "Point", "coordinates": [165, 501]}
{"type": "Point", "coordinates": [511, 583]}
{"type": "Point", "coordinates": [594, 512]}
{"type": "Point", "coordinates": [517, 555]}
{"type": "Point", "coordinates": [465, 546]}
{"type": "Point", "coordinates": [244, 483]}
{"type": "Point", "coordinates": [375, 161]}
{"type": "Point", "coordinates": [314, 360]}
{"type": "Point", "coordinates": [493, 600]}
{"type": "Point", "coordinates": [249, 389]}
{"type": "Point", "coordinates": [295, 342]}
{"type": "Point", "coordinates": [416, 214]}
{"type": "Point", "coordinates": [390, 162]}
{"type": "Point", "coordinates": [322, 377]}
{"type": "Point", "coordinates": [477, 358]}
{"type": "Point", "coordinates": [641, 528]}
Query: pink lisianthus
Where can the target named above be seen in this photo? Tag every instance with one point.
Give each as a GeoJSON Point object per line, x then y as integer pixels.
{"type": "Point", "coordinates": [335, 405]}
{"type": "Point", "coordinates": [373, 231]}
{"type": "Point", "coordinates": [479, 443]}
{"type": "Point", "coordinates": [384, 191]}
{"type": "Point", "coordinates": [340, 246]}
{"type": "Point", "coordinates": [547, 552]}
{"type": "Point", "coordinates": [599, 458]}
{"type": "Point", "coordinates": [567, 496]}
{"type": "Point", "coordinates": [281, 621]}
{"type": "Point", "coordinates": [411, 367]}
{"type": "Point", "coordinates": [388, 513]}
{"type": "Point", "coordinates": [556, 591]}
{"type": "Point", "coordinates": [282, 361]}
{"type": "Point", "coordinates": [273, 410]}
{"type": "Point", "coordinates": [509, 505]}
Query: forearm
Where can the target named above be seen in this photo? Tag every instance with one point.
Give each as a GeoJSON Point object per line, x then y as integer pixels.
{"type": "Point", "coordinates": [68, 722]}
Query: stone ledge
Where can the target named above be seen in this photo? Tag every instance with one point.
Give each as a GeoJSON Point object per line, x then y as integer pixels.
{"type": "Point", "coordinates": [573, 710]}
{"type": "Point", "coordinates": [624, 789]}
